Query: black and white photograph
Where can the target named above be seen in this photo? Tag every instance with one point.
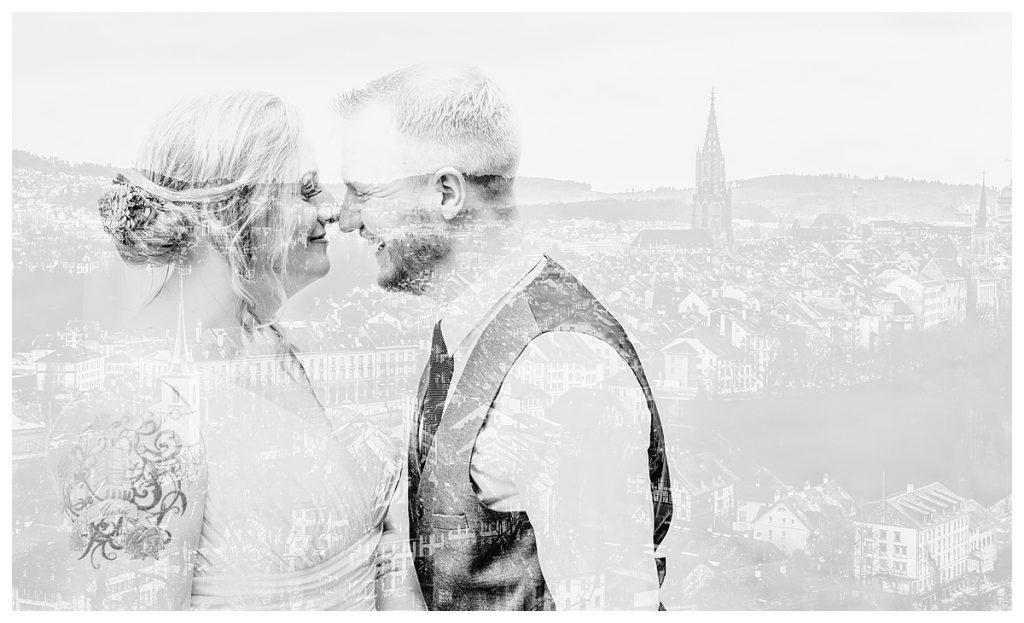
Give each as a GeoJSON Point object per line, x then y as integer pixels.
{"type": "Point", "coordinates": [518, 309]}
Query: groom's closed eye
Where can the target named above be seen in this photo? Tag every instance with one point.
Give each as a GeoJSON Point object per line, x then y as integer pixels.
{"type": "Point", "coordinates": [356, 193]}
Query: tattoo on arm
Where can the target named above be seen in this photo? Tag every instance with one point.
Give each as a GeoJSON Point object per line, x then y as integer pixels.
{"type": "Point", "coordinates": [121, 483]}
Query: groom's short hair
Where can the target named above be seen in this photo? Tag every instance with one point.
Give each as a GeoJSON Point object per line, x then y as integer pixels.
{"type": "Point", "coordinates": [455, 109]}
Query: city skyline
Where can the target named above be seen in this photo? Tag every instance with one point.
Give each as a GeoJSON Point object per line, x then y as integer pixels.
{"type": "Point", "coordinates": [925, 96]}
{"type": "Point", "coordinates": [764, 270]}
{"type": "Point", "coordinates": [798, 355]}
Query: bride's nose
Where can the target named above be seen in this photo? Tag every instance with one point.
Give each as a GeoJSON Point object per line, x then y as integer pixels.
{"type": "Point", "coordinates": [330, 210]}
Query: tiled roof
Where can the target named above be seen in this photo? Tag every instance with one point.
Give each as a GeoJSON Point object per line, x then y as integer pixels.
{"type": "Point", "coordinates": [832, 221]}
{"type": "Point", "coordinates": [70, 354]}
{"type": "Point", "coordinates": [918, 508]}
{"type": "Point", "coordinates": [519, 390]}
{"type": "Point", "coordinates": [699, 473]}
{"type": "Point", "coordinates": [680, 238]}
{"type": "Point", "coordinates": [981, 517]}
{"type": "Point", "coordinates": [679, 346]}
{"type": "Point", "coordinates": [900, 308]}
{"type": "Point", "coordinates": [757, 493]}
{"type": "Point", "coordinates": [683, 565]}
{"type": "Point", "coordinates": [927, 281]}
{"type": "Point", "coordinates": [949, 268]}
{"type": "Point", "coordinates": [715, 344]}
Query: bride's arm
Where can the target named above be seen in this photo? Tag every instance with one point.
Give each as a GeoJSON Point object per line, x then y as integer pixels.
{"type": "Point", "coordinates": [132, 493]}
{"type": "Point", "coordinates": [397, 585]}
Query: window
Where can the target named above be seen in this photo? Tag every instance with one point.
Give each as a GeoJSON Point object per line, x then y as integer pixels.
{"type": "Point", "coordinates": [882, 535]}
{"type": "Point", "coordinates": [896, 535]}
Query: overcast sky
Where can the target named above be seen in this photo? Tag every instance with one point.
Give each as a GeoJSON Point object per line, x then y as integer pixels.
{"type": "Point", "coordinates": [619, 101]}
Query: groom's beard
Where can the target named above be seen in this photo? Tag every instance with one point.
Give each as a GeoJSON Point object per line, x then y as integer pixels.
{"type": "Point", "coordinates": [409, 264]}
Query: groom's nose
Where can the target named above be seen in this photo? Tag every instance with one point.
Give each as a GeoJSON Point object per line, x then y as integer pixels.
{"type": "Point", "coordinates": [349, 219]}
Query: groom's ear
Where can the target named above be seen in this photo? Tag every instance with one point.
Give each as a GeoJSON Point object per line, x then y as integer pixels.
{"type": "Point", "coordinates": [450, 185]}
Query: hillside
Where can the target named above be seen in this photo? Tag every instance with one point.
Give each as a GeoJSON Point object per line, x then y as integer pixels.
{"type": "Point", "coordinates": [531, 190]}
{"type": "Point", "coordinates": [804, 196]}
{"type": "Point", "coordinates": [785, 198]}
{"type": "Point", "coordinates": [25, 160]}
{"type": "Point", "coordinates": [773, 197]}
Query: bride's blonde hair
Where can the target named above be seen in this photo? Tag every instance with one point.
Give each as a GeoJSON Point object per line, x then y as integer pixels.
{"type": "Point", "coordinates": [214, 170]}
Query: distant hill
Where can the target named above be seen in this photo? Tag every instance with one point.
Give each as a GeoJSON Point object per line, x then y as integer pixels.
{"type": "Point", "coordinates": [773, 197]}
{"type": "Point", "coordinates": [25, 160]}
{"type": "Point", "coordinates": [786, 198]}
{"type": "Point", "coordinates": [610, 209]}
{"type": "Point", "coordinates": [804, 196]}
{"type": "Point", "coordinates": [543, 190]}
{"type": "Point", "coordinates": [528, 189]}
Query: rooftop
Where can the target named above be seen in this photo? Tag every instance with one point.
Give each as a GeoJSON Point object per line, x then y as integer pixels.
{"type": "Point", "coordinates": [679, 238]}
{"type": "Point", "coordinates": [700, 473]}
{"type": "Point", "coordinates": [70, 354]}
{"type": "Point", "coordinates": [916, 507]}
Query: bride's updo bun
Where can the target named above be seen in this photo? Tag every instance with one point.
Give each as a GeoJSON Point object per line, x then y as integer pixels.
{"type": "Point", "coordinates": [211, 175]}
{"type": "Point", "coordinates": [147, 229]}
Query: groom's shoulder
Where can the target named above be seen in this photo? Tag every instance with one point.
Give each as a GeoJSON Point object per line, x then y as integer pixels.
{"type": "Point", "coordinates": [550, 281]}
{"type": "Point", "coordinates": [556, 296]}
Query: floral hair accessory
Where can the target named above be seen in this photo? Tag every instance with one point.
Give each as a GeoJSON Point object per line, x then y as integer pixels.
{"type": "Point", "coordinates": [126, 206]}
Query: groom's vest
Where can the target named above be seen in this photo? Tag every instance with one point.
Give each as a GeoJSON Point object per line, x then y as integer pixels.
{"type": "Point", "coordinates": [467, 556]}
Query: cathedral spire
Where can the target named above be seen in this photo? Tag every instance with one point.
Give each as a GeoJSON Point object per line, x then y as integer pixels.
{"type": "Point", "coordinates": [711, 143]}
{"type": "Point", "coordinates": [982, 220]}
{"type": "Point", "coordinates": [981, 238]}
{"type": "Point", "coordinates": [180, 384]}
{"type": "Point", "coordinates": [181, 358]}
{"type": "Point", "coordinates": [712, 200]}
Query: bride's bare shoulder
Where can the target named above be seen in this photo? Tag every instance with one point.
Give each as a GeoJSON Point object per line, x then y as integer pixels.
{"type": "Point", "coordinates": [128, 477]}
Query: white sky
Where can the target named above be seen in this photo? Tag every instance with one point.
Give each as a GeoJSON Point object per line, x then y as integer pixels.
{"type": "Point", "coordinates": [617, 100]}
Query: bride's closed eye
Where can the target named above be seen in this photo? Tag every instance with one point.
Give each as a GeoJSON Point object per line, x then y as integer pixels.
{"type": "Point", "coordinates": [309, 185]}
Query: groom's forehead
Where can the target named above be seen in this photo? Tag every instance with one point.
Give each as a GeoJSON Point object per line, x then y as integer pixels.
{"type": "Point", "coordinates": [373, 150]}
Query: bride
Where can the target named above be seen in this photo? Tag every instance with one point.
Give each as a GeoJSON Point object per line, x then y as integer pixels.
{"type": "Point", "coordinates": [236, 490]}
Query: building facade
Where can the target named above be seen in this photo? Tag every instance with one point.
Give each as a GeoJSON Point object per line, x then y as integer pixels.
{"type": "Point", "coordinates": [915, 543]}
{"type": "Point", "coordinates": [70, 369]}
{"type": "Point", "coordinates": [704, 492]}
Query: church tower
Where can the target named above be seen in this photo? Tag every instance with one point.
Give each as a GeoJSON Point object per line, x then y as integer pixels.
{"type": "Point", "coordinates": [181, 384]}
{"type": "Point", "coordinates": [712, 198]}
{"type": "Point", "coordinates": [981, 237]}
{"type": "Point", "coordinates": [982, 294]}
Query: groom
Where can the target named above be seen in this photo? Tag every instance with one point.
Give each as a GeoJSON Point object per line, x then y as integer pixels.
{"type": "Point", "coordinates": [537, 471]}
